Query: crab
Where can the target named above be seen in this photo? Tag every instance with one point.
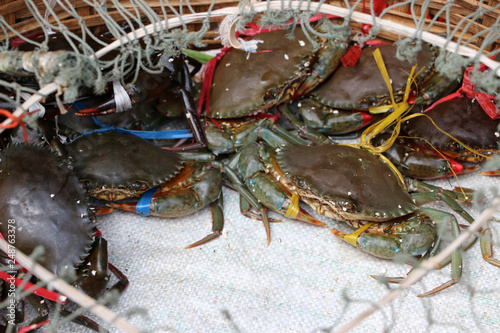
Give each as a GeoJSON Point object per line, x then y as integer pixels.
{"type": "Point", "coordinates": [425, 152]}
{"type": "Point", "coordinates": [45, 205]}
{"type": "Point", "coordinates": [115, 166]}
{"type": "Point", "coordinates": [168, 92]}
{"type": "Point", "coordinates": [246, 84]}
{"type": "Point", "coordinates": [351, 185]}
{"type": "Point", "coordinates": [171, 91]}
{"type": "Point", "coordinates": [340, 105]}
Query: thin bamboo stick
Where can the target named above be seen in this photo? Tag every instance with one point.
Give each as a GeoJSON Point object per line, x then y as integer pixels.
{"type": "Point", "coordinates": [72, 293]}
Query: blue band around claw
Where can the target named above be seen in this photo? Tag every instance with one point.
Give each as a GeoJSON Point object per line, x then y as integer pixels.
{"type": "Point", "coordinates": [142, 207]}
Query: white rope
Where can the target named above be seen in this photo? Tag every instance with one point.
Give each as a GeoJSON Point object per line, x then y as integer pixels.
{"type": "Point", "coordinates": [35, 107]}
{"type": "Point", "coordinates": [122, 98]}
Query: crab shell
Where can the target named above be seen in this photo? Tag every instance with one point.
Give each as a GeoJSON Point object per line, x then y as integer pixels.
{"type": "Point", "coordinates": [345, 183]}
{"type": "Point", "coordinates": [464, 119]}
{"type": "Point", "coordinates": [43, 204]}
{"type": "Point", "coordinates": [245, 83]}
{"type": "Point", "coordinates": [115, 165]}
{"type": "Point", "coordinates": [362, 86]}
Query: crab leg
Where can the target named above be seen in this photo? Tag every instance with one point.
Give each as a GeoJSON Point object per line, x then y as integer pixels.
{"type": "Point", "coordinates": [428, 254]}
{"type": "Point", "coordinates": [413, 237]}
{"type": "Point", "coordinates": [419, 164]}
{"type": "Point", "coordinates": [246, 132]}
{"type": "Point", "coordinates": [443, 218]}
{"type": "Point", "coordinates": [303, 129]}
{"type": "Point", "coordinates": [247, 195]}
{"type": "Point", "coordinates": [487, 247]}
{"type": "Point", "coordinates": [221, 141]}
{"type": "Point", "coordinates": [429, 193]}
{"type": "Point", "coordinates": [320, 120]}
{"type": "Point", "coordinates": [96, 270]}
{"type": "Point", "coordinates": [217, 222]}
{"type": "Point", "coordinates": [179, 66]}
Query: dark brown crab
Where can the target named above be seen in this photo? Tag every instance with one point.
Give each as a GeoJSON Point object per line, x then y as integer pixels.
{"type": "Point", "coordinates": [424, 151]}
{"type": "Point", "coordinates": [340, 105]}
{"type": "Point", "coordinates": [354, 186]}
{"type": "Point", "coordinates": [172, 84]}
{"type": "Point", "coordinates": [115, 166]}
{"type": "Point", "coordinates": [46, 206]}
{"type": "Point", "coordinates": [245, 84]}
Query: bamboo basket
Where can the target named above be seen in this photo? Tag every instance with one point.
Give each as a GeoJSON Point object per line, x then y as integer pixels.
{"type": "Point", "coordinates": [19, 17]}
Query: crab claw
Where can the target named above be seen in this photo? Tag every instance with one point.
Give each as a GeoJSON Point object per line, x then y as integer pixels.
{"type": "Point", "coordinates": [106, 107]}
{"type": "Point", "coordinates": [490, 173]}
{"type": "Point", "coordinates": [304, 216]}
{"type": "Point", "coordinates": [126, 206]}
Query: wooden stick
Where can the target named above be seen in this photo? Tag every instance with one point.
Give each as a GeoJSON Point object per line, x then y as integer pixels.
{"type": "Point", "coordinates": [419, 272]}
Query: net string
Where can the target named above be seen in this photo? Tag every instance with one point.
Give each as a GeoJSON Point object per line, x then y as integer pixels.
{"type": "Point", "coordinates": [129, 45]}
{"type": "Point", "coordinates": [130, 49]}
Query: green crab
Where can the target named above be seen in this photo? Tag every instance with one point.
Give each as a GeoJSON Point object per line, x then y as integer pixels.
{"type": "Point", "coordinates": [351, 185]}
{"type": "Point", "coordinates": [356, 96]}
{"type": "Point", "coordinates": [245, 84]}
{"type": "Point", "coordinates": [120, 167]}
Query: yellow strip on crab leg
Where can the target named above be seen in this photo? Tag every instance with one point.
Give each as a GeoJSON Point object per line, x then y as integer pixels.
{"type": "Point", "coordinates": [353, 236]}
{"type": "Point", "coordinates": [293, 207]}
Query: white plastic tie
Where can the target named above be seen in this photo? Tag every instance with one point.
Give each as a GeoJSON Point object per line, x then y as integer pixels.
{"type": "Point", "coordinates": [250, 45]}
{"type": "Point", "coordinates": [35, 106]}
{"type": "Point", "coordinates": [122, 98]}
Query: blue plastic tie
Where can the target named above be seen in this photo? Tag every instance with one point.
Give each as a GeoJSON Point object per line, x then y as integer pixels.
{"type": "Point", "coordinates": [151, 135]}
{"type": "Point", "coordinates": [142, 207]}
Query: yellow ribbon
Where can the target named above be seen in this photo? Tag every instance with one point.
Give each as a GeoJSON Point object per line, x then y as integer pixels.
{"type": "Point", "coordinates": [397, 117]}
{"type": "Point", "coordinates": [400, 109]}
{"type": "Point", "coordinates": [293, 207]}
{"type": "Point", "coordinates": [444, 132]}
{"type": "Point", "coordinates": [353, 236]}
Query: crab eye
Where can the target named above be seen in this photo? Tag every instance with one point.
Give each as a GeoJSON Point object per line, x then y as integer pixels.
{"type": "Point", "coordinates": [348, 205]}
{"type": "Point", "coordinates": [365, 102]}
{"type": "Point", "coordinates": [87, 184]}
{"type": "Point", "coordinates": [452, 146]}
{"type": "Point", "coordinates": [138, 186]}
{"type": "Point", "coordinates": [268, 95]}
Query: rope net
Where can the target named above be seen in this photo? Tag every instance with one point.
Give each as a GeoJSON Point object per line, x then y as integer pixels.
{"type": "Point", "coordinates": [54, 54]}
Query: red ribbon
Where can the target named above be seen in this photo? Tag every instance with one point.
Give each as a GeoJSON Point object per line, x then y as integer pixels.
{"type": "Point", "coordinates": [468, 90]}
{"type": "Point", "coordinates": [206, 78]}
{"type": "Point", "coordinates": [353, 54]}
{"type": "Point", "coordinates": [34, 289]}
{"type": "Point", "coordinates": [378, 7]}
{"type": "Point", "coordinates": [15, 42]}
{"type": "Point", "coordinates": [32, 327]}
{"type": "Point", "coordinates": [42, 292]}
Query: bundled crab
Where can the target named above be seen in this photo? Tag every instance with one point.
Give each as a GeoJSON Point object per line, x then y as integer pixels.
{"type": "Point", "coordinates": [339, 181]}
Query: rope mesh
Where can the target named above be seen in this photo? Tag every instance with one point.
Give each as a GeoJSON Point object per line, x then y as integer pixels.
{"type": "Point", "coordinates": [114, 41]}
